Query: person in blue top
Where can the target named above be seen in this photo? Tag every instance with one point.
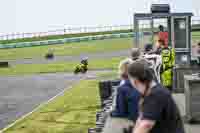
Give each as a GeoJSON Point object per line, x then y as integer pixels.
{"type": "Point", "coordinates": [125, 112]}
{"type": "Point", "coordinates": [126, 102]}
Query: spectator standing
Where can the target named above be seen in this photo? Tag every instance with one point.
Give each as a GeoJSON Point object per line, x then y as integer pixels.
{"type": "Point", "coordinates": [125, 110]}
{"type": "Point", "coordinates": [158, 111]}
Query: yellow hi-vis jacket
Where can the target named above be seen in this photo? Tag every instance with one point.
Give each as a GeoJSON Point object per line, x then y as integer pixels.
{"type": "Point", "coordinates": [168, 62]}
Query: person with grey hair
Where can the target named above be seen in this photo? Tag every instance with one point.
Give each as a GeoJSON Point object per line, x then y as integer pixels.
{"type": "Point", "coordinates": [135, 53]}
{"type": "Point", "coordinates": [125, 110]}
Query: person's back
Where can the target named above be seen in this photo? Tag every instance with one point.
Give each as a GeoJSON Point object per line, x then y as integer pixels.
{"type": "Point", "coordinates": [155, 62]}
{"type": "Point", "coordinates": [82, 67]}
{"type": "Point", "coordinates": [164, 110]}
{"type": "Point", "coordinates": [168, 61]}
{"type": "Point", "coordinates": [125, 109]}
{"type": "Point", "coordinates": [126, 102]}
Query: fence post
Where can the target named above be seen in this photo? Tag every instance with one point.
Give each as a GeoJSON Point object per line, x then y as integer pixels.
{"type": "Point", "coordinates": [69, 29]}
{"type": "Point", "coordinates": [13, 36]}
{"type": "Point", "coordinates": [7, 37]}
{"type": "Point", "coordinates": [85, 29]}
{"type": "Point", "coordinates": [64, 31]}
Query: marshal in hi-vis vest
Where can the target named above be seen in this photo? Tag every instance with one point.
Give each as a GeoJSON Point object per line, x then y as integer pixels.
{"type": "Point", "coordinates": [168, 61]}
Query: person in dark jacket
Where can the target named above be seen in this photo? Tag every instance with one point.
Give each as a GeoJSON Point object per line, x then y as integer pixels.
{"type": "Point", "coordinates": [158, 110]}
{"type": "Point", "coordinates": [125, 111]}
{"type": "Point", "coordinates": [126, 102]}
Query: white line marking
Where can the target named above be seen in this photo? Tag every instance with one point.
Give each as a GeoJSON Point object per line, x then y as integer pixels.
{"type": "Point", "coordinates": [43, 104]}
{"type": "Point", "coordinates": [37, 108]}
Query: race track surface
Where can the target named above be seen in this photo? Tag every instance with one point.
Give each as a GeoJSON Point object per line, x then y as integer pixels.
{"type": "Point", "coordinates": [19, 95]}
{"type": "Point", "coordinates": [42, 60]}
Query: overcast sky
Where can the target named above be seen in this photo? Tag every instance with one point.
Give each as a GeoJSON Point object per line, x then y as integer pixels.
{"type": "Point", "coordinates": [44, 15]}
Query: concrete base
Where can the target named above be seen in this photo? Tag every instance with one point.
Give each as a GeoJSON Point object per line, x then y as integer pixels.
{"type": "Point", "coordinates": [180, 101]}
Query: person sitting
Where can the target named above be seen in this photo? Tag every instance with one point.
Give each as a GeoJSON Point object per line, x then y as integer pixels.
{"type": "Point", "coordinates": [125, 110]}
{"type": "Point", "coordinates": [50, 54]}
{"type": "Point", "coordinates": [82, 67]}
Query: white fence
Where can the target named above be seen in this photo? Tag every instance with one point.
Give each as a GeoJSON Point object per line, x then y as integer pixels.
{"type": "Point", "coordinates": [73, 31]}
{"type": "Point", "coordinates": [65, 31]}
{"type": "Point", "coordinates": [66, 40]}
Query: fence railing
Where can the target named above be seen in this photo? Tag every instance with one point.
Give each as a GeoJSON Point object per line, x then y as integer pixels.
{"type": "Point", "coordinates": [66, 40]}
{"type": "Point", "coordinates": [75, 30]}
{"type": "Point", "coordinates": [69, 30]}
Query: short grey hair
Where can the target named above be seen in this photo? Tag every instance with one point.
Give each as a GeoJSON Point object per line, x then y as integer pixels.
{"type": "Point", "coordinates": [135, 53]}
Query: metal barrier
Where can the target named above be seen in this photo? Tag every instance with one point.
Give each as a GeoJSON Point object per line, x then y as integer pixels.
{"type": "Point", "coordinates": [192, 97]}
{"type": "Point", "coordinates": [65, 31]}
{"type": "Point", "coordinates": [80, 39]}
{"type": "Point", "coordinates": [4, 64]}
{"type": "Point", "coordinates": [107, 94]}
{"type": "Point", "coordinates": [66, 40]}
{"type": "Point", "coordinates": [79, 30]}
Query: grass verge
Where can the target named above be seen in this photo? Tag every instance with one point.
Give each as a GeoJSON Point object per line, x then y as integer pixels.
{"type": "Point", "coordinates": [111, 63]}
{"type": "Point", "coordinates": [73, 112]}
{"type": "Point", "coordinates": [68, 49]}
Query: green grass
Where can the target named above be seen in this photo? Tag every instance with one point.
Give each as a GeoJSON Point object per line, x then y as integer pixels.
{"type": "Point", "coordinates": [61, 36]}
{"type": "Point", "coordinates": [68, 49]}
{"type": "Point", "coordinates": [111, 63]}
{"type": "Point", "coordinates": [73, 112]}
{"type": "Point", "coordinates": [73, 48]}
{"type": "Point", "coordinates": [197, 33]}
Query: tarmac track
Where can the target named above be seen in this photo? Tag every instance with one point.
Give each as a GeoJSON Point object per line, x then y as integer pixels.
{"type": "Point", "coordinates": [41, 60]}
{"type": "Point", "coordinates": [19, 95]}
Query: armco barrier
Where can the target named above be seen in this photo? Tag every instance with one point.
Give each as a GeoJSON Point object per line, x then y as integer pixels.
{"type": "Point", "coordinates": [66, 40]}
{"type": "Point", "coordinates": [44, 43]}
